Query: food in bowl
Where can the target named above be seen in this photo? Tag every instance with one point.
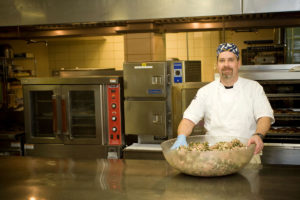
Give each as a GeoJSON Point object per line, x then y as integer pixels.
{"type": "Point", "coordinates": [219, 146]}
{"type": "Point", "coordinates": [209, 155]}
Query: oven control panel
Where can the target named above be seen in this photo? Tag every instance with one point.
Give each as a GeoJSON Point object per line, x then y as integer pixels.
{"type": "Point", "coordinates": [114, 115]}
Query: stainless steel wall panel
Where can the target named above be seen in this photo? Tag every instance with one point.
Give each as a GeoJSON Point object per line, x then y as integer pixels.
{"type": "Point", "coordinates": [281, 154]}
{"type": "Point", "coordinates": [267, 6]}
{"type": "Point", "coordinates": [32, 12]}
{"type": "Point", "coordinates": [270, 72]}
{"type": "Point", "coordinates": [67, 151]}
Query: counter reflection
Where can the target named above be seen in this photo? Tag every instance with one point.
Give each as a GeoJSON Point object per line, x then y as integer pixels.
{"type": "Point", "coordinates": [41, 178]}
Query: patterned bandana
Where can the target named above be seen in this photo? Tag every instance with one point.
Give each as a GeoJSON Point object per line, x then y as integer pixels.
{"type": "Point", "coordinates": [228, 47]}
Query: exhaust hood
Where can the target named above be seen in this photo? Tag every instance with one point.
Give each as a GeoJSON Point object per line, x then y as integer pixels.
{"type": "Point", "coordinates": [35, 12]}
{"type": "Point", "coordinates": [35, 19]}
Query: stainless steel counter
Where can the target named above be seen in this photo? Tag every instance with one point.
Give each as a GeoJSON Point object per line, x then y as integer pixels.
{"type": "Point", "coordinates": [41, 178]}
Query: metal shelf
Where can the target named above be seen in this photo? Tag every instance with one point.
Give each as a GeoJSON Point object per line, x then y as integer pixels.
{"type": "Point", "coordinates": [284, 95]}
{"type": "Point", "coordinates": [84, 125]}
{"type": "Point", "coordinates": [44, 101]}
{"type": "Point", "coordinates": [44, 117]}
{"type": "Point", "coordinates": [83, 116]}
{"type": "Point", "coordinates": [289, 118]}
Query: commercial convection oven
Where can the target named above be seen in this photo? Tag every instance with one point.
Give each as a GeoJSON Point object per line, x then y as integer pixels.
{"type": "Point", "coordinates": [281, 84]}
{"type": "Point", "coordinates": [77, 117]}
{"type": "Point", "coordinates": [148, 96]}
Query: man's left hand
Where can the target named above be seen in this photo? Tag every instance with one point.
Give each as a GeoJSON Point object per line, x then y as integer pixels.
{"type": "Point", "coordinates": [255, 139]}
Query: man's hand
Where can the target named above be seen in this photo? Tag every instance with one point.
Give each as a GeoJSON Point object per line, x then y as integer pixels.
{"type": "Point", "coordinates": [255, 139]}
{"type": "Point", "coordinates": [181, 141]}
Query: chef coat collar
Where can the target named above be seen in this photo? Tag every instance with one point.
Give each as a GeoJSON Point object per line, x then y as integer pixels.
{"type": "Point", "coordinates": [236, 85]}
{"type": "Point", "coordinates": [228, 87]}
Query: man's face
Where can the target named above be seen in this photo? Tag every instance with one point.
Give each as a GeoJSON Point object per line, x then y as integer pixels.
{"type": "Point", "coordinates": [228, 65]}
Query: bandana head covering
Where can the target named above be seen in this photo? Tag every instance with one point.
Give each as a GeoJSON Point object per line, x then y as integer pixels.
{"type": "Point", "coordinates": [228, 47]}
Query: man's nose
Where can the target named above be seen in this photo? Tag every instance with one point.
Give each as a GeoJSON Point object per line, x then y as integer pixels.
{"type": "Point", "coordinates": [225, 63]}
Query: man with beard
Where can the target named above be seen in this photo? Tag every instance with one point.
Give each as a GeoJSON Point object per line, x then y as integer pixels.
{"type": "Point", "coordinates": [230, 105]}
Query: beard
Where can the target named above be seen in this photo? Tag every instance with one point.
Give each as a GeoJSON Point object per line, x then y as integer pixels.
{"type": "Point", "coordinates": [227, 73]}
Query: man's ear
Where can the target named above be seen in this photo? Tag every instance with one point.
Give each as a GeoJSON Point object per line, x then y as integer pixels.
{"type": "Point", "coordinates": [240, 63]}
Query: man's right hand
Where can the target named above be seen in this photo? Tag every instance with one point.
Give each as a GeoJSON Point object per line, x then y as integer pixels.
{"type": "Point", "coordinates": [181, 141]}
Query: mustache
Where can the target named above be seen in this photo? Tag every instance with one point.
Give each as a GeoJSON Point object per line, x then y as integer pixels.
{"type": "Point", "coordinates": [227, 68]}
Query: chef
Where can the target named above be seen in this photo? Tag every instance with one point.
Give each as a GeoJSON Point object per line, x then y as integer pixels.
{"type": "Point", "coordinates": [230, 105]}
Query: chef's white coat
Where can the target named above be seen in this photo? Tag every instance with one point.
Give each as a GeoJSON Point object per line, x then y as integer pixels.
{"type": "Point", "coordinates": [232, 112]}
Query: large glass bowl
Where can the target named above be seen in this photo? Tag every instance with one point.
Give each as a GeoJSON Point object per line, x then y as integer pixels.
{"type": "Point", "coordinates": [208, 163]}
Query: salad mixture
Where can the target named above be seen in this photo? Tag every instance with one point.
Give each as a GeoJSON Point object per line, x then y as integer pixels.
{"type": "Point", "coordinates": [220, 146]}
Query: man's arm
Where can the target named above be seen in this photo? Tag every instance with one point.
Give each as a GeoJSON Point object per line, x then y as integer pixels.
{"type": "Point", "coordinates": [185, 127]}
{"type": "Point", "coordinates": [262, 127]}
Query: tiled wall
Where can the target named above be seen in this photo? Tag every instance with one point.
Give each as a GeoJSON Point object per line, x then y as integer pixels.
{"type": "Point", "coordinates": [195, 46]}
{"type": "Point", "coordinates": [92, 52]}
{"type": "Point", "coordinates": [141, 47]}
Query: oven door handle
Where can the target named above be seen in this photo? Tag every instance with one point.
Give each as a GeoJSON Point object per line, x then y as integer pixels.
{"type": "Point", "coordinates": [64, 123]}
{"type": "Point", "coordinates": [156, 119]}
{"type": "Point", "coordinates": [54, 117]}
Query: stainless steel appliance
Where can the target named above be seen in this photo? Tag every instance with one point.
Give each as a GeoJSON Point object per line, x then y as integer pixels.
{"type": "Point", "coordinates": [147, 105]}
{"type": "Point", "coordinates": [73, 117]}
{"type": "Point", "coordinates": [148, 96]}
{"type": "Point", "coordinates": [186, 71]}
{"type": "Point", "coordinates": [282, 87]}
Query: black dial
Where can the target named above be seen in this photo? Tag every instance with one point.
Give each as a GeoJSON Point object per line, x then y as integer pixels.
{"type": "Point", "coordinates": [113, 105]}
{"type": "Point", "coordinates": [114, 129]}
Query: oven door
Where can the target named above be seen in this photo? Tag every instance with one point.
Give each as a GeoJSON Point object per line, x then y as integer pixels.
{"type": "Point", "coordinates": [42, 119]}
{"type": "Point", "coordinates": [81, 114]}
{"type": "Point", "coordinates": [146, 118]}
{"type": "Point", "coordinates": [148, 80]}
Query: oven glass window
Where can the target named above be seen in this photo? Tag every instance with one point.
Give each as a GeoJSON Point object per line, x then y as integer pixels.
{"type": "Point", "coordinates": [42, 114]}
{"type": "Point", "coordinates": [82, 114]}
